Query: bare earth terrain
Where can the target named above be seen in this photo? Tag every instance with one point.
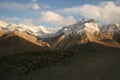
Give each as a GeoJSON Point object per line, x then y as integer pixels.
{"type": "Point", "coordinates": [88, 66]}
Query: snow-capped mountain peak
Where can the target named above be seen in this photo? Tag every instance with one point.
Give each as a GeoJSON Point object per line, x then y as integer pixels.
{"type": "Point", "coordinates": [90, 26]}
{"type": "Point", "coordinates": [34, 30]}
{"type": "Point", "coordinates": [81, 26]}
{"type": "Point", "coordinates": [2, 25]}
{"type": "Point", "coordinates": [78, 28]}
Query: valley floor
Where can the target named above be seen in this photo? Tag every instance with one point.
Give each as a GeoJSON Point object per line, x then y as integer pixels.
{"type": "Point", "coordinates": [92, 66]}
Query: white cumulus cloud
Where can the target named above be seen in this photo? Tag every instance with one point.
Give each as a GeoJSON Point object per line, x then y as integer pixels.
{"type": "Point", "coordinates": [16, 20]}
{"type": "Point", "coordinates": [19, 6]}
{"type": "Point", "coordinates": [50, 16]}
{"type": "Point", "coordinates": [56, 19]}
{"type": "Point", "coordinates": [35, 6]}
{"type": "Point", "coordinates": [105, 11]}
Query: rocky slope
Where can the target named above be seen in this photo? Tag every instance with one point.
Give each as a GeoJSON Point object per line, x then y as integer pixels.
{"type": "Point", "coordinates": [85, 34]}
{"type": "Point", "coordinates": [18, 42]}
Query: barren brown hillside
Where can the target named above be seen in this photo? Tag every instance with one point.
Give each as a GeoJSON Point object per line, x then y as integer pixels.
{"type": "Point", "coordinates": [16, 42]}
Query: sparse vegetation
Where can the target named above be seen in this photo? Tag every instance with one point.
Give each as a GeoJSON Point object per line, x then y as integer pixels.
{"type": "Point", "coordinates": [20, 64]}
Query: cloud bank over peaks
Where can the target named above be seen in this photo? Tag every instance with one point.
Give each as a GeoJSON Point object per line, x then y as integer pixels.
{"type": "Point", "coordinates": [56, 19]}
{"type": "Point", "coordinates": [106, 11]}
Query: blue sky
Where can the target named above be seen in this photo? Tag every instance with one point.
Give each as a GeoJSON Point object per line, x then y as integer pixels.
{"type": "Point", "coordinates": [57, 13]}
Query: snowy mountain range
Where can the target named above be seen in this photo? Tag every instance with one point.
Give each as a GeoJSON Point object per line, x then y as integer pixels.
{"type": "Point", "coordinates": [101, 31]}
{"type": "Point", "coordinates": [84, 35]}
{"type": "Point", "coordinates": [91, 26]}
{"type": "Point", "coordinates": [79, 27]}
{"type": "Point", "coordinates": [34, 30]}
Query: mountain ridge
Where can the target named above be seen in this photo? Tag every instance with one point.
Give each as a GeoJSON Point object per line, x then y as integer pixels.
{"type": "Point", "coordinates": [84, 35]}
{"type": "Point", "coordinates": [17, 42]}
